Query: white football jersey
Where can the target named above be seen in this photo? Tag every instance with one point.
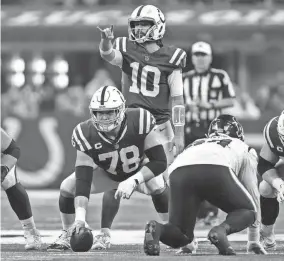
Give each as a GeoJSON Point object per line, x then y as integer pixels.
{"type": "Point", "coordinates": [217, 150]}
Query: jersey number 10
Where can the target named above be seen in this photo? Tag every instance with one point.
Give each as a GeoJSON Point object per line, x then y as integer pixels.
{"type": "Point", "coordinates": [153, 91]}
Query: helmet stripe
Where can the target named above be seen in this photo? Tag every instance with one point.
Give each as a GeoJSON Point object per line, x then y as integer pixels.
{"type": "Point", "coordinates": [139, 10]}
{"type": "Point", "coordinates": [103, 95]}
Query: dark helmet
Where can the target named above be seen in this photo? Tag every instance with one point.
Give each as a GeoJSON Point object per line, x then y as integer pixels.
{"type": "Point", "coordinates": [227, 124]}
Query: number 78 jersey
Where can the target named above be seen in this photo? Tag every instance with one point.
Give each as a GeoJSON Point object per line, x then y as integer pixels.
{"type": "Point", "coordinates": [146, 77]}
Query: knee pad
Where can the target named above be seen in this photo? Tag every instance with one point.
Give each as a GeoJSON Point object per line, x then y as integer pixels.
{"type": "Point", "coordinates": [266, 190]}
{"type": "Point", "coordinates": [10, 180]}
{"type": "Point", "coordinates": [68, 186]}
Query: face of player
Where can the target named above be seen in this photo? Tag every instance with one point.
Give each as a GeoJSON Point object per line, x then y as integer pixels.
{"type": "Point", "coordinates": [106, 120]}
{"type": "Point", "coordinates": [201, 61]}
{"type": "Point", "coordinates": [140, 28]}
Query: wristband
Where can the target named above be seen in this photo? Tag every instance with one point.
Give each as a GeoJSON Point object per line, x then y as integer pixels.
{"type": "Point", "coordinates": [106, 52]}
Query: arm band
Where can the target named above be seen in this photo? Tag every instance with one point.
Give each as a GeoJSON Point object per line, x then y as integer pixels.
{"type": "Point", "coordinates": [84, 178]}
{"type": "Point", "coordinates": [157, 159]}
{"type": "Point", "coordinates": [12, 150]}
{"type": "Point", "coordinates": [264, 165]}
{"type": "Point", "coordinates": [178, 114]}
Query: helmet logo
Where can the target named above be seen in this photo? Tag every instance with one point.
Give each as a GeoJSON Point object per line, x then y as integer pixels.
{"type": "Point", "coordinates": [146, 58]}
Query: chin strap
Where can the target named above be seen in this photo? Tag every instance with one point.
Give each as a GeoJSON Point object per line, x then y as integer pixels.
{"type": "Point", "coordinates": [178, 115]}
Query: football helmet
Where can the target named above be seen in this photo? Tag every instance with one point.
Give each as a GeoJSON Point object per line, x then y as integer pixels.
{"type": "Point", "coordinates": [146, 13]}
{"type": "Point", "coordinates": [280, 127]}
{"type": "Point", "coordinates": [107, 99]}
{"type": "Point", "coordinates": [226, 124]}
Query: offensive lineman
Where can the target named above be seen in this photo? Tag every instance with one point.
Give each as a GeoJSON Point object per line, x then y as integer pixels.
{"type": "Point", "coordinates": [16, 193]}
{"type": "Point", "coordinates": [222, 170]}
{"type": "Point", "coordinates": [272, 187]}
{"type": "Point", "coordinates": [110, 151]}
{"type": "Point", "coordinates": [151, 78]}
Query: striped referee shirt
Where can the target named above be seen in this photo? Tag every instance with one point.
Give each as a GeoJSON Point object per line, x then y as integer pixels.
{"type": "Point", "coordinates": [212, 85]}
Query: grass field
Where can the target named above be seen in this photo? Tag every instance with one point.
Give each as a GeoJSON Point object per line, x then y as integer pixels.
{"type": "Point", "coordinates": [127, 234]}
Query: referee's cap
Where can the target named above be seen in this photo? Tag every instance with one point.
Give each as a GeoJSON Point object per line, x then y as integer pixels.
{"type": "Point", "coordinates": [201, 47]}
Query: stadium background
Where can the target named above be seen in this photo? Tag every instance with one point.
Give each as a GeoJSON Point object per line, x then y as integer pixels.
{"type": "Point", "coordinates": [50, 67]}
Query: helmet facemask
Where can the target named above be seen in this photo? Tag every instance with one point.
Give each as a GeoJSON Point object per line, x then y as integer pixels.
{"type": "Point", "coordinates": [106, 120]}
{"type": "Point", "coordinates": [141, 33]}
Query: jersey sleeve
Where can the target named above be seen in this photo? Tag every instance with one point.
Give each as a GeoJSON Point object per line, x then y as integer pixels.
{"type": "Point", "coordinates": [175, 82]}
{"type": "Point", "coordinates": [80, 138]}
{"type": "Point", "coordinates": [147, 122]}
{"type": "Point", "coordinates": [228, 88]}
{"type": "Point", "coordinates": [178, 59]}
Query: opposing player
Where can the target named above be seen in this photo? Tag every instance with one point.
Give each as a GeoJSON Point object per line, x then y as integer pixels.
{"type": "Point", "coordinates": [110, 151]}
{"type": "Point", "coordinates": [151, 79]}
{"type": "Point", "coordinates": [17, 195]}
{"type": "Point", "coordinates": [220, 169]}
{"type": "Point", "coordinates": [272, 187]}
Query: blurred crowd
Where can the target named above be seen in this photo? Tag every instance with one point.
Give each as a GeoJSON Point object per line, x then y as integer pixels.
{"type": "Point", "coordinates": [70, 3]}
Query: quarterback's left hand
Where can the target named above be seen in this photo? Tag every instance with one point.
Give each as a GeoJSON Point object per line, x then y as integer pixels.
{"type": "Point", "coordinates": [125, 188]}
{"type": "Point", "coordinates": [280, 195]}
{"type": "Point", "coordinates": [76, 226]}
{"type": "Point", "coordinates": [256, 248]}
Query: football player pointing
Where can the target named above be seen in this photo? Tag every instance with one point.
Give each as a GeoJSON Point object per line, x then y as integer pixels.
{"type": "Point", "coordinates": [151, 78]}
{"type": "Point", "coordinates": [110, 155]}
{"type": "Point", "coordinates": [272, 186]}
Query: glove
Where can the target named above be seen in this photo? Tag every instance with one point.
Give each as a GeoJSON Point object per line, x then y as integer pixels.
{"type": "Point", "coordinates": [280, 194]}
{"type": "Point", "coordinates": [107, 33]}
{"type": "Point", "coordinates": [126, 188]}
{"type": "Point", "coordinates": [4, 171]}
{"type": "Point", "coordinates": [256, 247]}
{"type": "Point", "coordinates": [78, 224]}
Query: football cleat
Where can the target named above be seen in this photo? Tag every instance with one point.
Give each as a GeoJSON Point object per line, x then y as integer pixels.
{"type": "Point", "coordinates": [218, 237]}
{"type": "Point", "coordinates": [188, 249]}
{"type": "Point", "coordinates": [255, 247]}
{"type": "Point", "coordinates": [61, 243]}
{"type": "Point", "coordinates": [33, 239]}
{"type": "Point", "coordinates": [101, 242]}
{"type": "Point", "coordinates": [268, 241]}
{"type": "Point", "coordinates": [152, 239]}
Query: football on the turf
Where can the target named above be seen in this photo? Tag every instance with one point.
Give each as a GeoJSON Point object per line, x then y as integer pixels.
{"type": "Point", "coordinates": [83, 241]}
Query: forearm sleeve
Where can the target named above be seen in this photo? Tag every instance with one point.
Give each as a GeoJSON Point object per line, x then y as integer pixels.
{"type": "Point", "coordinates": [157, 159]}
{"type": "Point", "coordinates": [84, 178]}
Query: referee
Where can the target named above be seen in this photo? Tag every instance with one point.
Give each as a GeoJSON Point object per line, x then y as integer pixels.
{"type": "Point", "coordinates": [207, 91]}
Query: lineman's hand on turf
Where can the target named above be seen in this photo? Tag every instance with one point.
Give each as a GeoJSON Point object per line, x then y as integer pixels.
{"type": "Point", "coordinates": [107, 33]}
{"type": "Point", "coordinates": [280, 194]}
{"type": "Point", "coordinates": [256, 247]}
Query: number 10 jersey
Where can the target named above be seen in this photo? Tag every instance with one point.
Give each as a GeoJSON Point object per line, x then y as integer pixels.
{"type": "Point", "coordinates": [146, 81]}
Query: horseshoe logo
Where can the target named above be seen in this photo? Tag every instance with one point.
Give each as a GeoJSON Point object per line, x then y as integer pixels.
{"type": "Point", "coordinates": [52, 169]}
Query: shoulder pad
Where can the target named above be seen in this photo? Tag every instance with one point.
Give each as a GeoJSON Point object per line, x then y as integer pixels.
{"type": "Point", "coordinates": [177, 57]}
{"type": "Point", "coordinates": [120, 44]}
{"type": "Point", "coordinates": [80, 137]}
{"type": "Point", "coordinates": [270, 131]}
{"type": "Point", "coordinates": [143, 120]}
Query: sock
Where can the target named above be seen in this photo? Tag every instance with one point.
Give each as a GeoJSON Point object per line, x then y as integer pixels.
{"type": "Point", "coordinates": [28, 224]}
{"type": "Point", "coordinates": [19, 201]}
{"type": "Point", "coordinates": [172, 236]}
{"type": "Point", "coordinates": [67, 211]}
{"type": "Point", "coordinates": [110, 208]}
{"type": "Point", "coordinates": [161, 204]}
{"type": "Point", "coordinates": [269, 210]}
{"type": "Point", "coordinates": [267, 229]}
{"type": "Point", "coordinates": [238, 220]}
{"type": "Point", "coordinates": [253, 233]}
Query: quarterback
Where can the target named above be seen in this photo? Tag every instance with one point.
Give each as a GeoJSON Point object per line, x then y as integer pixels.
{"type": "Point", "coordinates": [111, 148]}
{"type": "Point", "coordinates": [16, 193]}
{"type": "Point", "coordinates": [222, 170]}
{"type": "Point", "coordinates": [152, 80]}
{"type": "Point", "coordinates": [272, 187]}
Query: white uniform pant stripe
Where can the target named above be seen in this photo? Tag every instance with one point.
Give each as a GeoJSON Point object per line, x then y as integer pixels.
{"type": "Point", "coordinates": [241, 186]}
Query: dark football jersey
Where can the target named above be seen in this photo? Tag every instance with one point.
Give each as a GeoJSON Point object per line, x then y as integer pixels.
{"type": "Point", "coordinates": [145, 76]}
{"type": "Point", "coordinates": [120, 158]}
{"type": "Point", "coordinates": [272, 137]}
